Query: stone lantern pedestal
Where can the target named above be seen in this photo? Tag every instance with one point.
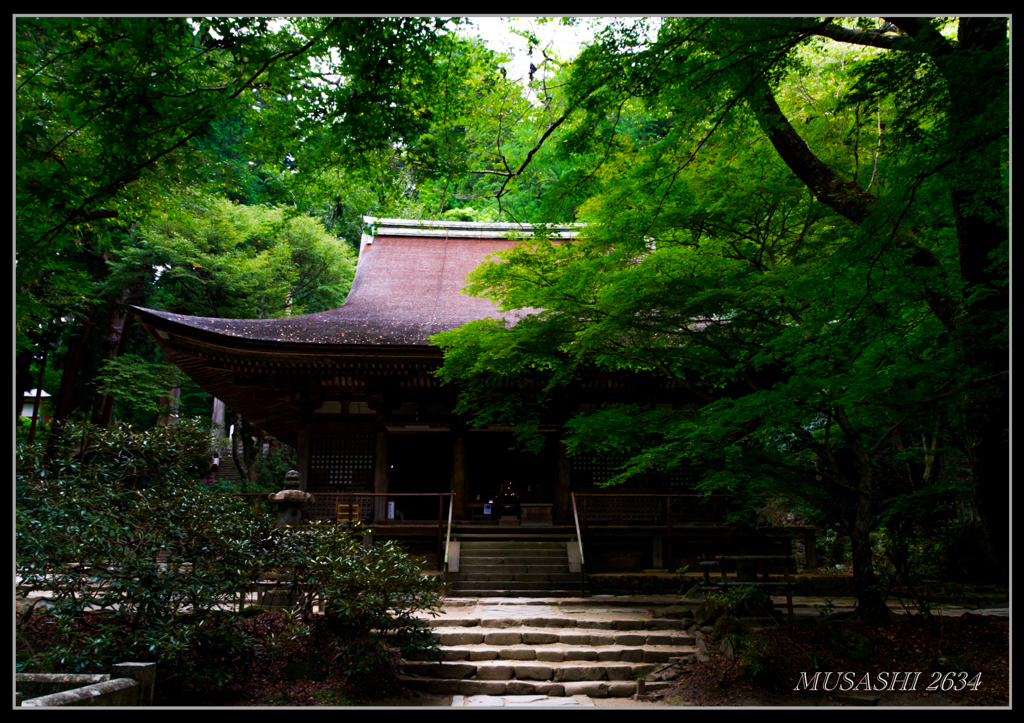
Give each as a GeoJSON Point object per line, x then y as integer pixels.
{"type": "Point", "coordinates": [290, 501]}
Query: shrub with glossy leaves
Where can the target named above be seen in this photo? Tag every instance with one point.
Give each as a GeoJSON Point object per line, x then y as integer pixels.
{"type": "Point", "coordinates": [141, 558]}
{"type": "Point", "coordinates": [370, 595]}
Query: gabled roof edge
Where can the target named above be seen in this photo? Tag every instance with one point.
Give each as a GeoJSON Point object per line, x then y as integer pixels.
{"type": "Point", "coordinates": [457, 229]}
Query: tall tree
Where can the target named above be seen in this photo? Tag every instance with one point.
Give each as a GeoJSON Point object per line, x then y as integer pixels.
{"type": "Point", "coordinates": [110, 112]}
{"type": "Point", "coordinates": [816, 319]}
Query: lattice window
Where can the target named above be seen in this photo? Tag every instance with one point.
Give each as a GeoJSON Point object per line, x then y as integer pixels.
{"type": "Point", "coordinates": [623, 509]}
{"type": "Point", "coordinates": [325, 506]}
{"type": "Point", "coordinates": [682, 479]}
{"type": "Point", "coordinates": [341, 462]}
{"type": "Point", "coordinates": [589, 472]}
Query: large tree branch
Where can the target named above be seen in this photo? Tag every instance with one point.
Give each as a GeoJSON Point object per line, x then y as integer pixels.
{"type": "Point", "coordinates": [925, 37]}
{"type": "Point", "coordinates": [844, 197]}
{"type": "Point", "coordinates": [859, 37]}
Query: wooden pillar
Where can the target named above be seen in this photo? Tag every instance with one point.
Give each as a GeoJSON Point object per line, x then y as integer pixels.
{"type": "Point", "coordinates": [810, 550]}
{"type": "Point", "coordinates": [461, 511]}
{"type": "Point", "coordinates": [302, 452]}
{"type": "Point", "coordinates": [562, 512]}
{"type": "Point", "coordinates": [380, 476]}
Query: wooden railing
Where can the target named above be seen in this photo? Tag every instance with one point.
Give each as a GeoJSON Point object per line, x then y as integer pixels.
{"type": "Point", "coordinates": [651, 510]}
{"type": "Point", "coordinates": [448, 535]}
{"type": "Point", "coordinates": [579, 541]}
{"type": "Point", "coordinates": [351, 506]}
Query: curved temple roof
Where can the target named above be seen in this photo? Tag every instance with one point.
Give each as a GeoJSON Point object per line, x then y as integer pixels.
{"type": "Point", "coordinates": [407, 287]}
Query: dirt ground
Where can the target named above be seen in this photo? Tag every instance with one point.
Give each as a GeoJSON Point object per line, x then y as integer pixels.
{"type": "Point", "coordinates": [771, 663]}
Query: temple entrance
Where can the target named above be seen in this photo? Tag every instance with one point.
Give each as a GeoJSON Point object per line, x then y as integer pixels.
{"type": "Point", "coordinates": [419, 463]}
{"type": "Point", "coordinates": [500, 480]}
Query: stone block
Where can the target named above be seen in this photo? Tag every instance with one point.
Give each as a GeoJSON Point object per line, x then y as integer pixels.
{"type": "Point", "coordinates": [481, 687]}
{"type": "Point", "coordinates": [483, 653]}
{"type": "Point", "coordinates": [580, 654]}
{"type": "Point", "coordinates": [631, 655]}
{"type": "Point", "coordinates": [503, 638]}
{"type": "Point", "coordinates": [610, 655]}
{"type": "Point", "coordinates": [657, 656]}
{"type": "Point", "coordinates": [631, 639]}
{"type": "Point", "coordinates": [591, 689]}
{"type": "Point", "coordinates": [536, 637]}
{"type": "Point", "coordinates": [662, 639]}
{"type": "Point", "coordinates": [551, 655]}
{"type": "Point", "coordinates": [602, 639]}
{"type": "Point", "coordinates": [459, 637]}
{"type": "Point", "coordinates": [578, 673]}
{"type": "Point", "coordinates": [628, 625]}
{"type": "Point", "coordinates": [516, 654]}
{"type": "Point", "coordinates": [621, 689]}
{"type": "Point", "coordinates": [574, 638]}
{"type": "Point", "coordinates": [622, 672]}
{"type": "Point", "coordinates": [519, 687]}
{"type": "Point", "coordinates": [495, 672]}
{"type": "Point", "coordinates": [533, 672]}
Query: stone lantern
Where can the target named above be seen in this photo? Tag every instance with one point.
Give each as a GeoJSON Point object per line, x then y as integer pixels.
{"type": "Point", "coordinates": [290, 501]}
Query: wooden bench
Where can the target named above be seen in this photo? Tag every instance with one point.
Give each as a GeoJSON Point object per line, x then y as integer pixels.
{"type": "Point", "coordinates": [766, 561]}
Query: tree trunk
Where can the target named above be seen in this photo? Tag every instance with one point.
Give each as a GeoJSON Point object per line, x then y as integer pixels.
{"type": "Point", "coordinates": [72, 365]}
{"type": "Point", "coordinates": [855, 475]}
{"type": "Point", "coordinates": [170, 403]}
{"type": "Point", "coordinates": [114, 343]}
{"type": "Point", "coordinates": [981, 231]}
{"type": "Point", "coordinates": [248, 464]}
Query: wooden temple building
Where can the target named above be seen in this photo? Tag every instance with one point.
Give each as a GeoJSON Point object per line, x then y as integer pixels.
{"type": "Point", "coordinates": [353, 390]}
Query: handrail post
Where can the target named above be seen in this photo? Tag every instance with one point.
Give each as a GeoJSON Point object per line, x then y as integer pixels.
{"type": "Point", "coordinates": [448, 538]}
{"type": "Point", "coordinates": [668, 522]}
{"type": "Point", "coordinates": [579, 540]}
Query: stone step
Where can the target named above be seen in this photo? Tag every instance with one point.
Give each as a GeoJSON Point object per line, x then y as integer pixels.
{"type": "Point", "coordinates": [512, 545]}
{"type": "Point", "coordinates": [534, 584]}
{"type": "Point", "coordinates": [554, 592]}
{"type": "Point", "coordinates": [564, 672]}
{"type": "Point", "coordinates": [492, 559]}
{"type": "Point", "coordinates": [511, 552]}
{"type": "Point", "coordinates": [592, 689]}
{"type": "Point", "coordinates": [499, 568]}
{"type": "Point", "coordinates": [559, 652]}
{"type": "Point", "coordinates": [667, 625]}
{"type": "Point", "coordinates": [561, 636]}
{"type": "Point", "coordinates": [504, 575]}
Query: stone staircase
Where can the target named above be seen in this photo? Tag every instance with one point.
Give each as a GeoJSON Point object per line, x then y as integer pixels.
{"type": "Point", "coordinates": [514, 569]}
{"type": "Point", "coordinates": [549, 649]}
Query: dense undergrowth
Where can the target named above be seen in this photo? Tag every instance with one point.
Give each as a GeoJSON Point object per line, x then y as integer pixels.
{"type": "Point", "coordinates": [141, 558]}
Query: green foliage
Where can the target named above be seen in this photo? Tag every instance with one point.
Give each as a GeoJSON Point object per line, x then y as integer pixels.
{"type": "Point", "coordinates": [217, 258]}
{"type": "Point", "coordinates": [140, 557]}
{"type": "Point", "coordinates": [850, 643]}
{"type": "Point", "coordinates": [136, 383]}
{"type": "Point", "coordinates": [90, 530]}
{"type": "Point", "coordinates": [803, 321]}
{"type": "Point", "coordinates": [741, 600]}
{"type": "Point", "coordinates": [371, 596]}
{"type": "Point", "coordinates": [756, 663]}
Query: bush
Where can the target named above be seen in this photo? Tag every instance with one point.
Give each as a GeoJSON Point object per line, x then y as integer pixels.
{"type": "Point", "coordinates": [91, 525]}
{"type": "Point", "coordinates": [91, 530]}
{"type": "Point", "coordinates": [370, 596]}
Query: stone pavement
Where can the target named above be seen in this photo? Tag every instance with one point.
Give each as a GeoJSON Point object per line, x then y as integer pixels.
{"type": "Point", "coordinates": [512, 701]}
{"type": "Point", "coordinates": [608, 615]}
